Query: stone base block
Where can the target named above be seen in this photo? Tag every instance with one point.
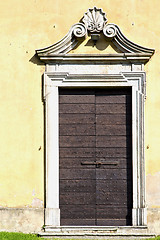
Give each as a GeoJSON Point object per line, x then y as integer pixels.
{"type": "Point", "coordinates": [52, 217]}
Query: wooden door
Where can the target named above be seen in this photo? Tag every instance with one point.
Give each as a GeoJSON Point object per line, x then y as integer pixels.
{"type": "Point", "coordinates": [95, 157]}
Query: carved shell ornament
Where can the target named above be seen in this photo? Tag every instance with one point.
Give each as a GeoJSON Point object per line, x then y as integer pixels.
{"type": "Point", "coordinates": [94, 22]}
{"type": "Point", "coordinates": [94, 19]}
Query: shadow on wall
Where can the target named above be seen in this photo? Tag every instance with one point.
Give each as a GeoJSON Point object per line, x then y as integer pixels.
{"type": "Point", "coordinates": [35, 60]}
{"type": "Point", "coordinates": [101, 44]}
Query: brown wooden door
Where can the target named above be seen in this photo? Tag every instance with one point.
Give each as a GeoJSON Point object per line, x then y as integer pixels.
{"type": "Point", "coordinates": [95, 157]}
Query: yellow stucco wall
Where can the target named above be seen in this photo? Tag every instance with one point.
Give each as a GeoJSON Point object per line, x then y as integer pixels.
{"type": "Point", "coordinates": [34, 24]}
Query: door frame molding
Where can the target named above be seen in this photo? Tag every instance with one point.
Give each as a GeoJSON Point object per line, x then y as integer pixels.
{"type": "Point", "coordinates": [53, 80]}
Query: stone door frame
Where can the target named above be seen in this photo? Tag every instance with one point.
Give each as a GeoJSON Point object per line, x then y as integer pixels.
{"type": "Point", "coordinates": [52, 82]}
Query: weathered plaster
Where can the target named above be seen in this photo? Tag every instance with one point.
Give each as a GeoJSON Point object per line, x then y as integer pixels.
{"type": "Point", "coordinates": [153, 218]}
{"type": "Point", "coordinates": [37, 203]}
{"type": "Point", "coordinates": [21, 219]}
{"type": "Point", "coordinates": [153, 190]}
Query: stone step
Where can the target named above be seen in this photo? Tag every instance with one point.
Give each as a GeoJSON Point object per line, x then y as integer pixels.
{"type": "Point", "coordinates": [140, 232]}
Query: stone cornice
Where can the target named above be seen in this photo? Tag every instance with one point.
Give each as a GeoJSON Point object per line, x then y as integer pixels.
{"type": "Point", "coordinates": [119, 57]}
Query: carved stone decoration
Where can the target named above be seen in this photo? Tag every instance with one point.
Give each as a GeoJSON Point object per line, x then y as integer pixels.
{"type": "Point", "coordinates": [94, 19]}
{"type": "Point", "coordinates": [94, 22]}
{"type": "Point", "coordinates": [110, 30]}
{"type": "Point", "coordinates": [79, 30]}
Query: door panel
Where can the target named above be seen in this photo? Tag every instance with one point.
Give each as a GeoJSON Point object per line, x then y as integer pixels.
{"type": "Point", "coordinates": [79, 96]}
{"type": "Point", "coordinates": [78, 108]}
{"type": "Point", "coordinates": [77, 141]}
{"type": "Point", "coordinates": [80, 198]}
{"type": "Point", "coordinates": [123, 163]}
{"type": "Point", "coordinates": [77, 222]}
{"type": "Point", "coordinates": [78, 212]}
{"type": "Point", "coordinates": [109, 212]}
{"type": "Point", "coordinates": [77, 130]}
{"type": "Point", "coordinates": [106, 119]}
{"type": "Point", "coordinates": [77, 173]}
{"type": "Point", "coordinates": [111, 108]}
{"type": "Point", "coordinates": [113, 174]}
{"type": "Point", "coordinates": [113, 152]}
{"type": "Point", "coordinates": [77, 153]}
{"type": "Point", "coordinates": [113, 186]}
{"type": "Point", "coordinates": [82, 118]}
{"type": "Point", "coordinates": [78, 185]}
{"type": "Point", "coordinates": [75, 162]}
{"type": "Point", "coordinates": [114, 222]}
{"type": "Point", "coordinates": [113, 140]}
{"type": "Point", "coordinates": [121, 96]}
{"type": "Point", "coordinates": [118, 130]}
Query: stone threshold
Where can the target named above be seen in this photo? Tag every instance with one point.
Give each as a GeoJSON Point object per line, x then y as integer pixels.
{"type": "Point", "coordinates": [109, 232]}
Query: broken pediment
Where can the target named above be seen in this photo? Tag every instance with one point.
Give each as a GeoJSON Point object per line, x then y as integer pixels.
{"type": "Point", "coordinates": [94, 26]}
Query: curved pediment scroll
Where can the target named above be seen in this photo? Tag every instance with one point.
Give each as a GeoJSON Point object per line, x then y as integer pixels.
{"type": "Point", "coordinates": [121, 42]}
{"type": "Point", "coordinates": [67, 43]}
{"type": "Point", "coordinates": [94, 23]}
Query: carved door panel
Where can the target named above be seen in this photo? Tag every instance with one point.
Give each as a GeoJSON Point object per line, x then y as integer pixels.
{"type": "Point", "coordinates": [95, 157]}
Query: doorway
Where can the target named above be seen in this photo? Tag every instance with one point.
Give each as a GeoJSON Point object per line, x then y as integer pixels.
{"type": "Point", "coordinates": [95, 148]}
